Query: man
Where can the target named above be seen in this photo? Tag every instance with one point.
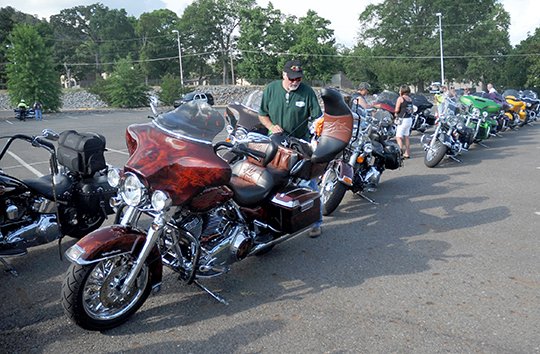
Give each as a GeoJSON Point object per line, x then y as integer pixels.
{"type": "Point", "coordinates": [22, 107]}
{"type": "Point", "coordinates": [359, 102]}
{"type": "Point", "coordinates": [286, 108]}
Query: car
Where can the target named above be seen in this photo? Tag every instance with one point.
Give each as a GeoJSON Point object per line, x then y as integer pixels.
{"type": "Point", "coordinates": [435, 87]}
{"type": "Point", "coordinates": [196, 96]}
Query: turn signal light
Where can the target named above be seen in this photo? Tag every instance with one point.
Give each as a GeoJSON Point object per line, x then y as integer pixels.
{"type": "Point", "coordinates": [347, 180]}
{"type": "Point", "coordinates": [360, 159]}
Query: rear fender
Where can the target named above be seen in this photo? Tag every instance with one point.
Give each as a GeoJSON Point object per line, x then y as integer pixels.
{"type": "Point", "coordinates": [112, 241]}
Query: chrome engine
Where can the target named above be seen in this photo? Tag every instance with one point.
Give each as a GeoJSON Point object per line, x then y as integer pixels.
{"type": "Point", "coordinates": [222, 240]}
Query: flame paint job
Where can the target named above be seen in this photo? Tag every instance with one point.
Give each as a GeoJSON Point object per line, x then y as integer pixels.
{"type": "Point", "coordinates": [180, 167]}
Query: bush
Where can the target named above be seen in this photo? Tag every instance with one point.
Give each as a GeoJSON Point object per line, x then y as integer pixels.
{"type": "Point", "coordinates": [170, 89]}
{"type": "Point", "coordinates": [125, 88]}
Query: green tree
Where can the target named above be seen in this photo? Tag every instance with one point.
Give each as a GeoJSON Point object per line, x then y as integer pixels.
{"type": "Point", "coordinates": [30, 71]}
{"type": "Point", "coordinates": [404, 35]}
{"type": "Point", "coordinates": [93, 34]}
{"type": "Point", "coordinates": [154, 30]}
{"type": "Point", "coordinates": [125, 88]}
{"type": "Point", "coordinates": [170, 89]}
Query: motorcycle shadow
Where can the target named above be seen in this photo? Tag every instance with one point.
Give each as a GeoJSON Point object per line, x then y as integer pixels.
{"type": "Point", "coordinates": [358, 243]}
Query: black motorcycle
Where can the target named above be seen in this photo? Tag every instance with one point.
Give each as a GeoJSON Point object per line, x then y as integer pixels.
{"type": "Point", "coordinates": [73, 200]}
{"type": "Point", "coordinates": [450, 138]}
{"type": "Point", "coordinates": [422, 116]}
{"type": "Point", "coordinates": [360, 166]}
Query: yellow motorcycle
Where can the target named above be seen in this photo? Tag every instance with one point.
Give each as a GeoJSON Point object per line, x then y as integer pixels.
{"type": "Point", "coordinates": [516, 112]}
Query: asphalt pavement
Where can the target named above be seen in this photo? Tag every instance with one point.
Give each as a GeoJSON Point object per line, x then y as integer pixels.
{"type": "Point", "coordinates": [446, 261]}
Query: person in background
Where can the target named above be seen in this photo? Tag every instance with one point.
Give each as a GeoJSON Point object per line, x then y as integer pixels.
{"type": "Point", "coordinates": [490, 88]}
{"type": "Point", "coordinates": [360, 104]}
{"type": "Point", "coordinates": [38, 110]}
{"type": "Point", "coordinates": [439, 100]}
{"type": "Point", "coordinates": [287, 105]}
{"type": "Point", "coordinates": [403, 112]}
{"type": "Point", "coordinates": [22, 107]}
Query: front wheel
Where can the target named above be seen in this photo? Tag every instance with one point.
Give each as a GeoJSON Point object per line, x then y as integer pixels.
{"type": "Point", "coordinates": [435, 154]}
{"type": "Point", "coordinates": [332, 191]}
{"type": "Point", "coordinates": [92, 296]}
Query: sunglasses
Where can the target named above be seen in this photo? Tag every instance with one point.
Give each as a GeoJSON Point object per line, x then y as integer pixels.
{"type": "Point", "coordinates": [294, 80]}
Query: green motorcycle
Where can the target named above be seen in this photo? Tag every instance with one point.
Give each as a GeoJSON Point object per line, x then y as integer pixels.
{"type": "Point", "coordinates": [481, 116]}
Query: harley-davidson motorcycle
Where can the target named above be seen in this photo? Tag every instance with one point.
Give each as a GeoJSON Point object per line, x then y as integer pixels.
{"type": "Point", "coordinates": [363, 160]}
{"type": "Point", "coordinates": [204, 213]}
{"type": "Point", "coordinates": [450, 138]}
{"type": "Point", "coordinates": [72, 200]}
{"type": "Point", "coordinates": [422, 116]}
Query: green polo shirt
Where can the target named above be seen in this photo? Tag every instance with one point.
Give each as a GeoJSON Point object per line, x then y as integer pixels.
{"type": "Point", "coordinates": [293, 111]}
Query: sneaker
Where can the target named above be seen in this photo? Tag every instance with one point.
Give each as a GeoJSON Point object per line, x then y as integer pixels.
{"type": "Point", "coordinates": [315, 232]}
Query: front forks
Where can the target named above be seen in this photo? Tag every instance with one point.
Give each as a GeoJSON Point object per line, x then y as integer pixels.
{"type": "Point", "coordinates": [152, 236]}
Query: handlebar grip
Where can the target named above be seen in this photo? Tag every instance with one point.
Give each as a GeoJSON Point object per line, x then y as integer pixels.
{"type": "Point", "coordinates": [45, 143]}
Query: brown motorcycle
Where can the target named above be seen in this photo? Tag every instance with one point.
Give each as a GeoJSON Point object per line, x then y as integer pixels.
{"type": "Point", "coordinates": [204, 214]}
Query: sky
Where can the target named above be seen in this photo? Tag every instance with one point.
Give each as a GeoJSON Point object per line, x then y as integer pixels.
{"type": "Point", "coordinates": [524, 14]}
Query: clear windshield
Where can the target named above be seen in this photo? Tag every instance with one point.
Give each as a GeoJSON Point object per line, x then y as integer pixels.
{"type": "Point", "coordinates": [253, 100]}
{"type": "Point", "coordinates": [388, 97]}
{"type": "Point", "coordinates": [511, 92]}
{"type": "Point", "coordinates": [195, 120]}
{"type": "Point", "coordinates": [529, 94]}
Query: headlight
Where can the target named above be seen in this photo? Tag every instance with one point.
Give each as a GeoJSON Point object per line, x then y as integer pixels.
{"type": "Point", "coordinates": [368, 148]}
{"type": "Point", "coordinates": [476, 112]}
{"type": "Point", "coordinates": [132, 190]}
{"type": "Point", "coordinates": [485, 114]}
{"type": "Point", "coordinates": [113, 177]}
{"type": "Point", "coordinates": [160, 200]}
{"type": "Point", "coordinates": [451, 120]}
{"type": "Point", "coordinates": [415, 108]}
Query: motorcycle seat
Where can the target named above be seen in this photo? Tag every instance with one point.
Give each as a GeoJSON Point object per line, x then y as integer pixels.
{"type": "Point", "coordinates": [252, 183]}
{"type": "Point", "coordinates": [43, 186]}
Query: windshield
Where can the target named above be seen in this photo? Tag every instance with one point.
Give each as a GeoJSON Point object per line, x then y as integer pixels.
{"type": "Point", "coordinates": [511, 92]}
{"type": "Point", "coordinates": [253, 100]}
{"type": "Point", "coordinates": [194, 120]}
{"type": "Point", "coordinates": [387, 97]}
{"type": "Point", "coordinates": [529, 94]}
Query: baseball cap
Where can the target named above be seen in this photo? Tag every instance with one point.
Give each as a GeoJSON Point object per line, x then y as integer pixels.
{"type": "Point", "coordinates": [364, 86]}
{"type": "Point", "coordinates": [293, 69]}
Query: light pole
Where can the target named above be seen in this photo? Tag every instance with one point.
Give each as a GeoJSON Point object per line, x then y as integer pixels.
{"type": "Point", "coordinates": [440, 40]}
{"type": "Point", "coordinates": [179, 56]}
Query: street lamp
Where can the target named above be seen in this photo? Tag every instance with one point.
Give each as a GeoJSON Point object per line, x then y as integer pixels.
{"type": "Point", "coordinates": [440, 40]}
{"type": "Point", "coordinates": [179, 56]}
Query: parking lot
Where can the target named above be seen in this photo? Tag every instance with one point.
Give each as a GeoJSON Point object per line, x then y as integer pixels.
{"type": "Point", "coordinates": [447, 260]}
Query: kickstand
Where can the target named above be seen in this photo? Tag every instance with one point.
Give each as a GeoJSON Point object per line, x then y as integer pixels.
{"type": "Point", "coordinates": [9, 268]}
{"type": "Point", "coordinates": [363, 196]}
{"type": "Point", "coordinates": [211, 293]}
{"type": "Point", "coordinates": [455, 159]}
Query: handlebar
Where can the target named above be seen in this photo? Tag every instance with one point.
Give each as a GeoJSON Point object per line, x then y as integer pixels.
{"type": "Point", "coordinates": [36, 141]}
{"type": "Point", "coordinates": [240, 149]}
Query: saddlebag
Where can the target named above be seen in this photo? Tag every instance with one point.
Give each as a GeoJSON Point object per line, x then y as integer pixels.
{"type": "Point", "coordinates": [295, 209]}
{"type": "Point", "coordinates": [392, 158]}
{"type": "Point", "coordinates": [95, 193]}
{"type": "Point", "coordinates": [81, 152]}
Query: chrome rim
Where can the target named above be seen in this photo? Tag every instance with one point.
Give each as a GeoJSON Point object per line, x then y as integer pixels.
{"type": "Point", "coordinates": [329, 182]}
{"type": "Point", "coordinates": [102, 296]}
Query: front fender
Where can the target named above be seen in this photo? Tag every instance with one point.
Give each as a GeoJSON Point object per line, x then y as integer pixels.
{"type": "Point", "coordinates": [112, 241]}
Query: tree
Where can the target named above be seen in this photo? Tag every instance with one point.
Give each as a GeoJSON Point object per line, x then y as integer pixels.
{"type": "Point", "coordinates": [156, 40]}
{"type": "Point", "coordinates": [125, 88]}
{"type": "Point", "coordinates": [93, 34]}
{"type": "Point", "coordinates": [170, 89]}
{"type": "Point", "coordinates": [30, 71]}
{"type": "Point", "coordinates": [405, 39]}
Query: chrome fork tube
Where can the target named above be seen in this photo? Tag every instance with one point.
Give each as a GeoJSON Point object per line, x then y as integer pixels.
{"type": "Point", "coordinates": [151, 238]}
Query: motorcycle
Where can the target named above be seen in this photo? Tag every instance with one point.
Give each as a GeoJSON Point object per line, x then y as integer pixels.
{"type": "Point", "coordinates": [362, 162]}
{"type": "Point", "coordinates": [532, 105]}
{"type": "Point", "coordinates": [204, 213]}
{"type": "Point", "coordinates": [450, 138]}
{"type": "Point", "coordinates": [71, 200]}
{"type": "Point", "coordinates": [481, 116]}
{"type": "Point", "coordinates": [243, 117]}
{"type": "Point", "coordinates": [517, 108]}
{"type": "Point", "coordinates": [24, 114]}
{"type": "Point", "coordinates": [422, 116]}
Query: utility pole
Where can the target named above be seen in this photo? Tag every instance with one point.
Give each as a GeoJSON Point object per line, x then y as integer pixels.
{"type": "Point", "coordinates": [440, 41]}
{"type": "Point", "coordinates": [179, 56]}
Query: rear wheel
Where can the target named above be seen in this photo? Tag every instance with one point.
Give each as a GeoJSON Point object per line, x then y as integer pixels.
{"type": "Point", "coordinates": [435, 154]}
{"type": "Point", "coordinates": [332, 191]}
{"type": "Point", "coordinates": [92, 296]}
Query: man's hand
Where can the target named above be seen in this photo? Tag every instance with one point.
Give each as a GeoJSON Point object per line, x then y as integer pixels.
{"type": "Point", "coordinates": [276, 129]}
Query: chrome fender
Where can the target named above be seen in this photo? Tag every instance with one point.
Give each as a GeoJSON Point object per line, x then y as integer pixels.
{"type": "Point", "coordinates": [112, 241]}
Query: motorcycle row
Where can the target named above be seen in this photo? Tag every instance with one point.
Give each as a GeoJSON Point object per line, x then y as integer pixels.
{"type": "Point", "coordinates": [196, 205]}
{"type": "Point", "coordinates": [470, 119]}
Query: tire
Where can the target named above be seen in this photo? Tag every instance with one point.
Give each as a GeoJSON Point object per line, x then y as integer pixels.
{"type": "Point", "coordinates": [435, 154]}
{"type": "Point", "coordinates": [332, 191]}
{"type": "Point", "coordinates": [90, 293]}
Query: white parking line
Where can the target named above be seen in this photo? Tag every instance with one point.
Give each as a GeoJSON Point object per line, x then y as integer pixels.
{"type": "Point", "coordinates": [22, 162]}
{"type": "Point", "coordinates": [537, 212]}
{"type": "Point", "coordinates": [72, 117]}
